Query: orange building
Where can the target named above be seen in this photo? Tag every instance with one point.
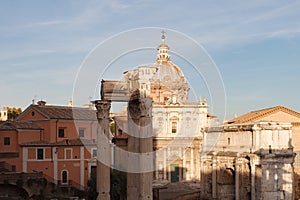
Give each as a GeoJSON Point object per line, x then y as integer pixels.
{"type": "Point", "coordinates": [12, 134]}
{"type": "Point", "coordinates": [60, 141]}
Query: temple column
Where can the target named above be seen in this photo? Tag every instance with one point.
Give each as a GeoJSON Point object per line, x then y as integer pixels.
{"type": "Point", "coordinates": [237, 178]}
{"type": "Point", "coordinates": [252, 166]}
{"type": "Point", "coordinates": [140, 141]}
{"type": "Point", "coordinates": [103, 150]}
{"type": "Point", "coordinates": [214, 177]}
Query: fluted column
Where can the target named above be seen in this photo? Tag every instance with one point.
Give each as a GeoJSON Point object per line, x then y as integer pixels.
{"type": "Point", "coordinates": [140, 141]}
{"type": "Point", "coordinates": [103, 150]}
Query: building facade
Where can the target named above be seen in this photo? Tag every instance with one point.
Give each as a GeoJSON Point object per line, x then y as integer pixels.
{"type": "Point", "coordinates": [177, 123]}
{"type": "Point", "coordinates": [59, 141]}
{"type": "Point", "coordinates": [249, 161]}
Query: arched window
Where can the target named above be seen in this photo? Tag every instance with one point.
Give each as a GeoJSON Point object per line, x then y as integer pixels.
{"type": "Point", "coordinates": [228, 141]}
{"type": "Point", "coordinates": [174, 127]}
{"type": "Point", "coordinates": [64, 177]}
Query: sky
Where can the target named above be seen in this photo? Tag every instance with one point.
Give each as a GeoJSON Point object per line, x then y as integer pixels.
{"type": "Point", "coordinates": [255, 45]}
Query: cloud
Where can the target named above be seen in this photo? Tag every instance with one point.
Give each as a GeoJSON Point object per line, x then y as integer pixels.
{"type": "Point", "coordinates": [46, 23]}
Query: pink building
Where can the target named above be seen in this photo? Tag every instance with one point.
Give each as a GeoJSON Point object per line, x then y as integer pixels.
{"type": "Point", "coordinates": [60, 141]}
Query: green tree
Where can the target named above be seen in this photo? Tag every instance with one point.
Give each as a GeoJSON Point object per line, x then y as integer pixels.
{"type": "Point", "coordinates": [13, 113]}
{"type": "Point", "coordinates": [112, 128]}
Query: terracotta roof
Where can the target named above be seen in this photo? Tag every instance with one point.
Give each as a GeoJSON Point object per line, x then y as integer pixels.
{"type": "Point", "coordinates": [13, 125]}
{"type": "Point", "coordinates": [256, 115]}
{"type": "Point", "coordinates": [66, 142]}
{"type": "Point", "coordinates": [64, 112]}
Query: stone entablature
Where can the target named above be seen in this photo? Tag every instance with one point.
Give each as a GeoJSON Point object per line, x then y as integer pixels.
{"type": "Point", "coordinates": [251, 137]}
{"type": "Point", "coordinates": [249, 161]}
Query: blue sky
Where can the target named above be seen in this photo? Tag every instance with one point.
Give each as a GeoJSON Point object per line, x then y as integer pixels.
{"type": "Point", "coordinates": [255, 45]}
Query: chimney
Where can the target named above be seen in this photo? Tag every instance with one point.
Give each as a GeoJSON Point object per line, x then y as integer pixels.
{"type": "Point", "coordinates": [70, 104]}
{"type": "Point", "coordinates": [41, 103]}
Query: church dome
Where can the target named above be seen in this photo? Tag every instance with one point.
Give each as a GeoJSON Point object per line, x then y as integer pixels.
{"type": "Point", "coordinates": [168, 77]}
{"type": "Point", "coordinates": [166, 72]}
{"type": "Point", "coordinates": [165, 69]}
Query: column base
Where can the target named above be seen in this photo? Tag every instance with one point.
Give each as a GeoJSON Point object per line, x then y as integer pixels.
{"type": "Point", "coordinates": [103, 196]}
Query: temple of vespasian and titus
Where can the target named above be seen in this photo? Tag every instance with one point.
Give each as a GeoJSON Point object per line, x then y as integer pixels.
{"type": "Point", "coordinates": [160, 119]}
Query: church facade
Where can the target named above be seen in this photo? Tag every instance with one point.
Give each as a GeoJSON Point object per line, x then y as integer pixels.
{"type": "Point", "coordinates": [177, 123]}
{"type": "Point", "coordinates": [243, 160]}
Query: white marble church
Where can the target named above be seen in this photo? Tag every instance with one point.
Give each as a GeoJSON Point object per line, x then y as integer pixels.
{"type": "Point", "coordinates": [177, 123]}
{"type": "Point", "coordinates": [248, 161]}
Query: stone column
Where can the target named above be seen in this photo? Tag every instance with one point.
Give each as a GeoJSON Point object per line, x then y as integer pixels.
{"type": "Point", "coordinates": [157, 168]}
{"type": "Point", "coordinates": [103, 150]}
{"type": "Point", "coordinates": [252, 166]}
{"type": "Point", "coordinates": [165, 163]}
{"type": "Point", "coordinates": [237, 178]}
{"type": "Point", "coordinates": [82, 167]}
{"type": "Point", "coordinates": [140, 141]}
{"type": "Point", "coordinates": [55, 172]}
{"type": "Point", "coordinates": [197, 166]}
{"type": "Point", "coordinates": [183, 164]}
{"type": "Point", "coordinates": [214, 176]}
{"type": "Point", "coordinates": [192, 164]}
{"type": "Point", "coordinates": [25, 160]}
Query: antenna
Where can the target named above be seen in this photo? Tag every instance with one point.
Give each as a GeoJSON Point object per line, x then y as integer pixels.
{"type": "Point", "coordinates": [33, 100]}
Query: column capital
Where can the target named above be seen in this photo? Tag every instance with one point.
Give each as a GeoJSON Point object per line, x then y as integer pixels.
{"type": "Point", "coordinates": [139, 106]}
{"type": "Point", "coordinates": [103, 108]}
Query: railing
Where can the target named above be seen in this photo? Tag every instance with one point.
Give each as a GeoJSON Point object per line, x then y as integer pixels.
{"type": "Point", "coordinates": [39, 174]}
{"type": "Point", "coordinates": [49, 178]}
{"type": "Point", "coordinates": [20, 175]}
{"type": "Point", "coordinates": [71, 183]}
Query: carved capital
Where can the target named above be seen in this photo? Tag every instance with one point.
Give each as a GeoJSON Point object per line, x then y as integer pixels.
{"type": "Point", "coordinates": [139, 107]}
{"type": "Point", "coordinates": [103, 108]}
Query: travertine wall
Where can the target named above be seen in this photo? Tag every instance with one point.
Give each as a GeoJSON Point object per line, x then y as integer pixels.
{"type": "Point", "coordinates": [256, 162]}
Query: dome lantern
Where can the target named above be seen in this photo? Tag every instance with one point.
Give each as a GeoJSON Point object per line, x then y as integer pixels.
{"type": "Point", "coordinates": [163, 50]}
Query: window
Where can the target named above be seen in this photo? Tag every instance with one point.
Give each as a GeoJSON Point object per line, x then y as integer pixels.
{"type": "Point", "coordinates": [228, 141]}
{"type": "Point", "coordinates": [40, 154]}
{"type": "Point", "coordinates": [174, 127]}
{"type": "Point", "coordinates": [94, 153]}
{"type": "Point", "coordinates": [64, 177]}
{"type": "Point", "coordinates": [68, 153]}
{"type": "Point", "coordinates": [32, 113]}
{"type": "Point", "coordinates": [6, 140]}
{"type": "Point", "coordinates": [61, 132]}
{"type": "Point", "coordinates": [81, 132]}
